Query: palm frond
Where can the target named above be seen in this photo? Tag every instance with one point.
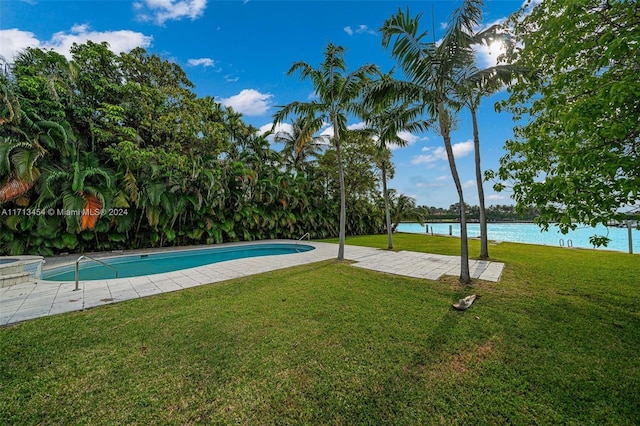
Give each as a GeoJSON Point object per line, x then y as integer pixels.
{"type": "Point", "coordinates": [7, 145]}
{"type": "Point", "coordinates": [464, 19]}
{"type": "Point", "coordinates": [24, 161]}
{"type": "Point", "coordinates": [130, 185]}
{"type": "Point", "coordinates": [410, 47]}
{"type": "Point", "coordinates": [97, 171]}
{"type": "Point", "coordinates": [13, 189]}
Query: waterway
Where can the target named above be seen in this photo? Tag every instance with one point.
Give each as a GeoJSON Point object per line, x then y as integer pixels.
{"type": "Point", "coordinates": [531, 233]}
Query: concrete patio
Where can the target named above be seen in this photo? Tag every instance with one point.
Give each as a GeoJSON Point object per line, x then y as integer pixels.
{"type": "Point", "coordinates": [43, 298]}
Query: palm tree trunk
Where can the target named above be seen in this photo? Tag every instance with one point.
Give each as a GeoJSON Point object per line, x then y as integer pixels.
{"type": "Point", "coordinates": [343, 196]}
{"type": "Point", "coordinates": [484, 245]}
{"type": "Point", "coordinates": [445, 127]}
{"type": "Point", "coordinates": [385, 194]}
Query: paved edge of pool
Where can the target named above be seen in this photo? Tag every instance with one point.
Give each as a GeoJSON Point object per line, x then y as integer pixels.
{"type": "Point", "coordinates": [67, 263]}
{"type": "Point", "coordinates": [44, 298]}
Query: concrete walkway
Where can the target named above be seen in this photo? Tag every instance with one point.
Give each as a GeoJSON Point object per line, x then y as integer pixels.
{"type": "Point", "coordinates": [32, 300]}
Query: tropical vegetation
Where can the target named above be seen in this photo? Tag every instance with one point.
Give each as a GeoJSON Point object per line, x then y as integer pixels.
{"type": "Point", "coordinates": [106, 151]}
{"type": "Point", "coordinates": [337, 93]}
{"type": "Point", "coordinates": [385, 119]}
{"type": "Point", "coordinates": [575, 152]}
{"type": "Point", "coordinates": [103, 151]}
{"type": "Point", "coordinates": [437, 75]}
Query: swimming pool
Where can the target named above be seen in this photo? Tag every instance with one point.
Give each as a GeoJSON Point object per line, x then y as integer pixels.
{"type": "Point", "coordinates": [156, 263]}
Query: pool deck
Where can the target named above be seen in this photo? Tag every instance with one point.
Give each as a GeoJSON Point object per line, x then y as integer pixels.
{"type": "Point", "coordinates": [32, 300]}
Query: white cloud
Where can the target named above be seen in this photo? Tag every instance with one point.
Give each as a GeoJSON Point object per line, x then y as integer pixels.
{"type": "Point", "coordinates": [461, 149]}
{"type": "Point", "coordinates": [497, 197]}
{"type": "Point", "coordinates": [328, 132]}
{"type": "Point", "coordinates": [231, 78]}
{"type": "Point", "coordinates": [161, 11]}
{"type": "Point", "coordinates": [205, 62]}
{"type": "Point", "coordinates": [357, 126]}
{"type": "Point", "coordinates": [444, 25]}
{"type": "Point", "coordinates": [408, 137]}
{"type": "Point", "coordinates": [469, 184]}
{"type": "Point", "coordinates": [281, 127]}
{"type": "Point", "coordinates": [360, 29]}
{"type": "Point", "coordinates": [249, 102]}
{"type": "Point", "coordinates": [14, 40]}
{"type": "Point", "coordinates": [437, 183]}
{"type": "Point", "coordinates": [363, 29]}
{"type": "Point", "coordinates": [440, 154]}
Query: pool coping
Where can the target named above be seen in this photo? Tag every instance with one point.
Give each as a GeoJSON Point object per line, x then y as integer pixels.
{"type": "Point", "coordinates": [44, 298]}
{"type": "Point", "coordinates": [67, 262]}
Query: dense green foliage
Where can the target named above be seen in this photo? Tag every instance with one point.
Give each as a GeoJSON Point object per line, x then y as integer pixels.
{"type": "Point", "coordinates": [575, 154]}
{"type": "Point", "coordinates": [554, 342]}
{"type": "Point", "coordinates": [109, 151]}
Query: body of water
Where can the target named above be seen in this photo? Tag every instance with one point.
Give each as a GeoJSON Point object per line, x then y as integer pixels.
{"type": "Point", "coordinates": [531, 233]}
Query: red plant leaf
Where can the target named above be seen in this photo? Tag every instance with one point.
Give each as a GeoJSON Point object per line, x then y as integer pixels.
{"type": "Point", "coordinates": [91, 212]}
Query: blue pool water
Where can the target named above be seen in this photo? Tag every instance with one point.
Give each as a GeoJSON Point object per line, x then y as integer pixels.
{"type": "Point", "coordinates": [156, 263]}
{"type": "Point", "coordinates": [531, 233]}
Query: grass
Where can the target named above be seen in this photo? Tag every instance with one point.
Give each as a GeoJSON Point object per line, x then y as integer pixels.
{"type": "Point", "coordinates": [554, 342]}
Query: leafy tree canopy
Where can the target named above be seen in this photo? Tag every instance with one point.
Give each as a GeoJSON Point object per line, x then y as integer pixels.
{"type": "Point", "coordinates": [576, 155]}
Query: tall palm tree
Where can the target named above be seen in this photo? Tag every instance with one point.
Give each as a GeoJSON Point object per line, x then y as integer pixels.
{"type": "Point", "coordinates": [337, 93]}
{"type": "Point", "coordinates": [437, 68]}
{"type": "Point", "coordinates": [476, 84]}
{"type": "Point", "coordinates": [385, 118]}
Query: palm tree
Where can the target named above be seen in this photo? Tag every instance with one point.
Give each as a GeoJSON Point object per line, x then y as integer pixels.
{"type": "Point", "coordinates": [300, 143]}
{"type": "Point", "coordinates": [436, 68]}
{"type": "Point", "coordinates": [385, 118]}
{"type": "Point", "coordinates": [24, 139]}
{"type": "Point", "coordinates": [81, 186]}
{"type": "Point", "coordinates": [476, 84]}
{"type": "Point", "coordinates": [403, 208]}
{"type": "Point", "coordinates": [18, 170]}
{"type": "Point", "coordinates": [337, 95]}
{"type": "Point", "coordinates": [9, 103]}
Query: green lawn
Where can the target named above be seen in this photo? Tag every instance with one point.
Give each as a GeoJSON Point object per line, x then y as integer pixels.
{"type": "Point", "coordinates": [556, 341]}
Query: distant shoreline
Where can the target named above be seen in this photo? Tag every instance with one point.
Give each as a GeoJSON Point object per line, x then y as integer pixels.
{"type": "Point", "coordinates": [471, 221]}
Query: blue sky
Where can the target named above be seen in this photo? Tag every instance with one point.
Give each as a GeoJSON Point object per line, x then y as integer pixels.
{"type": "Point", "coordinates": [240, 51]}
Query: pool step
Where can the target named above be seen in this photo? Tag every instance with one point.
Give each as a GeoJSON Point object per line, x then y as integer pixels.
{"type": "Point", "coordinates": [8, 280]}
{"type": "Point", "coordinates": [11, 268]}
